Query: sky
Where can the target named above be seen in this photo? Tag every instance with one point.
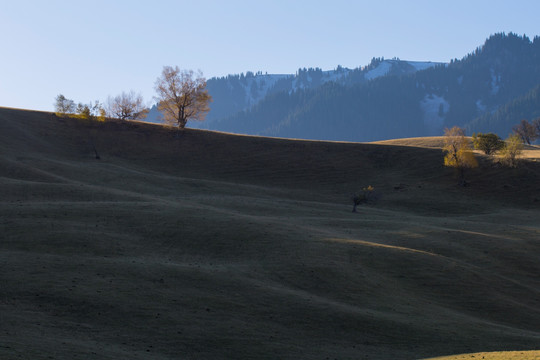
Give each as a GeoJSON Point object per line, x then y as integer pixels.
{"type": "Point", "coordinates": [89, 50]}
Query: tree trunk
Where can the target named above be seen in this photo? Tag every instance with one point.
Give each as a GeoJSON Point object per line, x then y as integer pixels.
{"type": "Point", "coordinates": [182, 118]}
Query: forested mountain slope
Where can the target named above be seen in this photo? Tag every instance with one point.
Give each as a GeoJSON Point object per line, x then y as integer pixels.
{"type": "Point", "coordinates": [422, 103]}
{"type": "Point", "coordinates": [489, 90]}
{"type": "Point", "coordinates": [235, 93]}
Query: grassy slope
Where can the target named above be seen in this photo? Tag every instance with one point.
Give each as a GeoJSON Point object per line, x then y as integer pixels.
{"type": "Point", "coordinates": [530, 152]}
{"type": "Point", "coordinates": [213, 246]}
{"type": "Point", "coordinates": [428, 141]}
{"type": "Point", "coordinates": [499, 355]}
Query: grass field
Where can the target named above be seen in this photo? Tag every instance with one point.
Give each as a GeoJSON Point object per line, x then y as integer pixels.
{"type": "Point", "coordinates": [530, 152]}
{"type": "Point", "coordinates": [204, 245]}
{"type": "Point", "coordinates": [500, 355]}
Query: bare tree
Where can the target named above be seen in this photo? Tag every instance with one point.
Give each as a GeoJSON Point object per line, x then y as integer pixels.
{"type": "Point", "coordinates": [127, 106]}
{"type": "Point", "coordinates": [182, 96]}
{"type": "Point", "coordinates": [536, 124]}
{"type": "Point", "coordinates": [64, 105]}
{"type": "Point", "coordinates": [458, 152]}
{"type": "Point", "coordinates": [526, 131]}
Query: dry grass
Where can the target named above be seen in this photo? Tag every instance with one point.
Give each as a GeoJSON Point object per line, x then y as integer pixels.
{"type": "Point", "coordinates": [203, 245]}
{"type": "Point", "coordinates": [503, 355]}
{"type": "Point", "coordinates": [530, 152]}
{"type": "Point", "coordinates": [427, 142]}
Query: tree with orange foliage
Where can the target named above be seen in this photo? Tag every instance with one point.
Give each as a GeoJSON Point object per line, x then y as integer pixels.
{"type": "Point", "coordinates": [512, 150]}
{"type": "Point", "coordinates": [458, 152]}
{"type": "Point", "coordinates": [182, 96]}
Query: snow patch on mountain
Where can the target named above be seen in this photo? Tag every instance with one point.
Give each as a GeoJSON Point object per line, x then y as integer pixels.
{"type": "Point", "coordinates": [434, 108]}
{"type": "Point", "coordinates": [381, 70]}
{"type": "Point", "coordinates": [422, 65]}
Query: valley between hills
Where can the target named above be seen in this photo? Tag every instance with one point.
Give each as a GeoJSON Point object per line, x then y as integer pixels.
{"type": "Point", "coordinates": [206, 245]}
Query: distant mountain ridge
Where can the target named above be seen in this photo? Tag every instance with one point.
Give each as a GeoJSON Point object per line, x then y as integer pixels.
{"type": "Point", "coordinates": [235, 93]}
{"type": "Point", "coordinates": [387, 98]}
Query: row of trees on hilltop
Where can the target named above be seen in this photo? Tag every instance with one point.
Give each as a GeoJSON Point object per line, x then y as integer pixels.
{"type": "Point", "coordinates": [181, 96]}
{"type": "Point", "coordinates": [64, 106]}
{"type": "Point", "coordinates": [459, 155]}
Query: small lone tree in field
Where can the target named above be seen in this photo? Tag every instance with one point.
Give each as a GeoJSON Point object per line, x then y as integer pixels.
{"type": "Point", "coordinates": [512, 150]}
{"type": "Point", "coordinates": [363, 197]}
{"type": "Point", "coordinates": [488, 143]}
{"type": "Point", "coordinates": [127, 106]}
{"type": "Point", "coordinates": [458, 152]}
{"type": "Point", "coordinates": [526, 131]}
{"type": "Point", "coordinates": [182, 96]}
{"type": "Point", "coordinates": [63, 105]}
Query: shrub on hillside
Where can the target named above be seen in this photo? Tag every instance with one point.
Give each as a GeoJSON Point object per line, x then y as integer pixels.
{"type": "Point", "coordinates": [65, 107]}
{"type": "Point", "coordinates": [366, 195]}
{"type": "Point", "coordinates": [488, 143]}
{"type": "Point", "coordinates": [512, 150]}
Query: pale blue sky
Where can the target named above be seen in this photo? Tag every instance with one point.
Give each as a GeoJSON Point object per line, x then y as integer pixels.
{"type": "Point", "coordinates": [88, 50]}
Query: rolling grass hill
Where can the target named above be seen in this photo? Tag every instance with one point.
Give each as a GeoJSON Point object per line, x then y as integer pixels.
{"type": "Point", "coordinates": [206, 245]}
{"type": "Point", "coordinates": [426, 141]}
{"type": "Point", "coordinates": [530, 152]}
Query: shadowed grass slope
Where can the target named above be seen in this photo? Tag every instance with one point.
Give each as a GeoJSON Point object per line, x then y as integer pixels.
{"type": "Point", "coordinates": [205, 245]}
